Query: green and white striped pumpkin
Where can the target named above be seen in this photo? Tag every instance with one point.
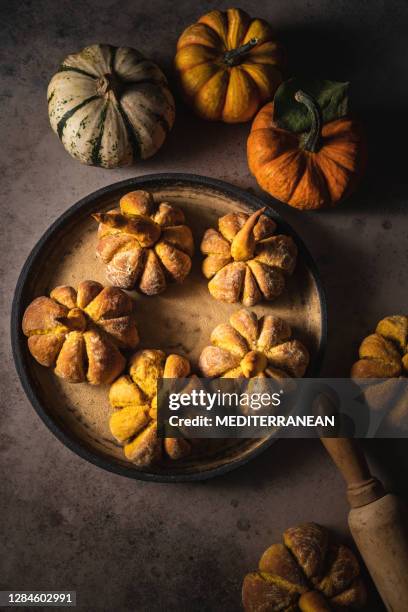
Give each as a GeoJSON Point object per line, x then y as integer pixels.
{"type": "Point", "coordinates": [110, 106]}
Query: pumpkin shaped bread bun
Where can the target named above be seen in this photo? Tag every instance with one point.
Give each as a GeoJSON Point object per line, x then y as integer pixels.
{"type": "Point", "coordinates": [307, 573]}
{"type": "Point", "coordinates": [384, 354]}
{"type": "Point", "coordinates": [249, 347]}
{"type": "Point", "coordinates": [383, 361]}
{"type": "Point", "coordinates": [110, 106]}
{"type": "Point", "coordinates": [143, 244]}
{"type": "Point", "coordinates": [228, 65]}
{"type": "Point", "coordinates": [245, 260]}
{"type": "Point", "coordinates": [80, 333]}
{"type": "Point", "coordinates": [309, 170]}
{"type": "Point", "coordinates": [134, 400]}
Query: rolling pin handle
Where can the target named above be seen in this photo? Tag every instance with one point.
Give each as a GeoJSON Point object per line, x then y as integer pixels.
{"type": "Point", "coordinates": [365, 492]}
{"type": "Point", "coordinates": [362, 487]}
{"type": "Point", "coordinates": [378, 523]}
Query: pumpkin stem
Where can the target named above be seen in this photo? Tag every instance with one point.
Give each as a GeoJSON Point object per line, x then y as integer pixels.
{"type": "Point", "coordinates": [311, 142]}
{"type": "Point", "coordinates": [253, 364]}
{"type": "Point", "coordinates": [243, 245]}
{"type": "Point", "coordinates": [108, 82]}
{"type": "Point", "coordinates": [233, 56]}
{"type": "Point", "coordinates": [146, 231]}
{"type": "Point", "coordinates": [115, 220]}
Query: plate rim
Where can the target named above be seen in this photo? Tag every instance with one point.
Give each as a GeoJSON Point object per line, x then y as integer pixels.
{"type": "Point", "coordinates": [18, 339]}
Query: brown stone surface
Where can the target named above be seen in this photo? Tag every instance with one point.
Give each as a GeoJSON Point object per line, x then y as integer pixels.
{"type": "Point", "coordinates": [128, 545]}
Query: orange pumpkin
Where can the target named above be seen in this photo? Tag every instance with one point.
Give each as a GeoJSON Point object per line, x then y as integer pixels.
{"type": "Point", "coordinates": [307, 171]}
{"type": "Point", "coordinates": [228, 65]}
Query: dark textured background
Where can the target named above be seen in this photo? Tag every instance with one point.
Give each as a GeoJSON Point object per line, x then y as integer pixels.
{"type": "Point", "coordinates": [126, 545]}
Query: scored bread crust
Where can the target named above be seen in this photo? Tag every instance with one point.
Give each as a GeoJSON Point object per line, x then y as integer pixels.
{"type": "Point", "coordinates": [143, 244]}
{"type": "Point", "coordinates": [245, 261]}
{"type": "Point", "coordinates": [80, 332]}
{"type": "Point", "coordinates": [133, 398]}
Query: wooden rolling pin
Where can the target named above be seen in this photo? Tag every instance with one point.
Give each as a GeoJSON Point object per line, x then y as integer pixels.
{"type": "Point", "coordinates": [378, 523]}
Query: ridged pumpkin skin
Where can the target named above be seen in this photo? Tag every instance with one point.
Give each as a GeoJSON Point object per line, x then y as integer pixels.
{"type": "Point", "coordinates": [301, 178]}
{"type": "Point", "coordinates": [221, 87]}
{"type": "Point", "coordinates": [110, 106]}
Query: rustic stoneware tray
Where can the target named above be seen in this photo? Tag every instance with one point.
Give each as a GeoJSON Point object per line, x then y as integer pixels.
{"type": "Point", "coordinates": [180, 320]}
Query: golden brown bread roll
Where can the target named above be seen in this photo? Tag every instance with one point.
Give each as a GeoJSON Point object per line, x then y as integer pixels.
{"type": "Point", "coordinates": [245, 261]}
{"type": "Point", "coordinates": [383, 355]}
{"type": "Point", "coordinates": [143, 244]}
{"type": "Point", "coordinates": [248, 347]}
{"type": "Point", "coordinates": [134, 400]}
{"type": "Point", "coordinates": [79, 333]}
{"type": "Point", "coordinates": [307, 573]}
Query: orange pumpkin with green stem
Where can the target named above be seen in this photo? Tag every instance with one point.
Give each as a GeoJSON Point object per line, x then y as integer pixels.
{"type": "Point", "coordinates": [307, 170]}
{"type": "Point", "coordinates": [228, 65]}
